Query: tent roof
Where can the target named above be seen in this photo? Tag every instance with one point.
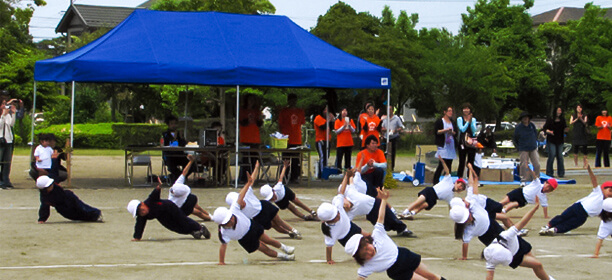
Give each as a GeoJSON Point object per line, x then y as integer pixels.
{"type": "Point", "coordinates": [212, 48]}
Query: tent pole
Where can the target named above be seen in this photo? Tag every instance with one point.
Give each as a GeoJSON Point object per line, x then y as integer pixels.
{"type": "Point", "coordinates": [237, 133]}
{"type": "Point", "coordinates": [388, 116]}
{"type": "Point", "coordinates": [69, 159]}
{"type": "Point", "coordinates": [33, 120]}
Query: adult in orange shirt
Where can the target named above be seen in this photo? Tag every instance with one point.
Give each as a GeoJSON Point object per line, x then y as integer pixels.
{"type": "Point", "coordinates": [374, 165]}
{"type": "Point", "coordinates": [344, 128]}
{"type": "Point", "coordinates": [370, 125]}
{"type": "Point", "coordinates": [322, 123]}
{"type": "Point", "coordinates": [290, 121]}
{"type": "Point", "coordinates": [603, 122]}
{"type": "Point", "coordinates": [251, 119]}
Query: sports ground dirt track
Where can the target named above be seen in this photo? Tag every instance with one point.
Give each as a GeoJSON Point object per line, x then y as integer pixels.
{"type": "Point", "coordinates": [61, 249]}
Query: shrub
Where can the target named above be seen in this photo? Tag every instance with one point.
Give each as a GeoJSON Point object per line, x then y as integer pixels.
{"type": "Point", "coordinates": [106, 135]}
{"type": "Point", "coordinates": [138, 133]}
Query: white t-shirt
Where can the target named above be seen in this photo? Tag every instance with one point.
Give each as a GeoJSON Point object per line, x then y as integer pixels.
{"type": "Point", "coordinates": [535, 189]}
{"type": "Point", "coordinates": [362, 203]}
{"type": "Point", "coordinates": [179, 191]}
{"type": "Point", "coordinates": [359, 184]}
{"type": "Point", "coordinates": [386, 253]}
{"type": "Point", "coordinates": [243, 223]}
{"type": "Point", "coordinates": [342, 227]}
{"type": "Point", "coordinates": [481, 217]}
{"type": "Point", "coordinates": [593, 203]}
{"type": "Point", "coordinates": [512, 243]}
{"type": "Point", "coordinates": [444, 189]}
{"type": "Point", "coordinates": [252, 204]}
{"type": "Point", "coordinates": [279, 190]}
{"type": "Point", "coordinates": [44, 154]}
{"type": "Point", "coordinates": [605, 230]}
{"type": "Point", "coordinates": [478, 159]}
{"type": "Point", "coordinates": [448, 151]}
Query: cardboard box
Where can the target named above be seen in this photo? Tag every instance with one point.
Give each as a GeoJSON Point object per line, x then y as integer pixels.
{"type": "Point", "coordinates": [493, 175]}
{"type": "Point", "coordinates": [507, 175]}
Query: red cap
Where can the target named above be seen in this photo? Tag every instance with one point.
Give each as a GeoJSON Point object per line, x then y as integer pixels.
{"type": "Point", "coordinates": [553, 183]}
{"type": "Point", "coordinates": [460, 180]}
{"type": "Point", "coordinates": [606, 184]}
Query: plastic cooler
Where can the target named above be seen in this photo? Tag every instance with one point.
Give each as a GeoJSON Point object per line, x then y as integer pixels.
{"type": "Point", "coordinates": [276, 143]}
{"type": "Point", "coordinates": [419, 173]}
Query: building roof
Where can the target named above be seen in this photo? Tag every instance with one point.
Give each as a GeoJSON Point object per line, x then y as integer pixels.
{"type": "Point", "coordinates": [79, 18]}
{"type": "Point", "coordinates": [562, 15]}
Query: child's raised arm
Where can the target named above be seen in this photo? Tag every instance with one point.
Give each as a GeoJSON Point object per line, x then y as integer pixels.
{"type": "Point", "coordinates": [474, 176]}
{"type": "Point", "coordinates": [592, 176]}
{"type": "Point", "coordinates": [383, 195]}
{"type": "Point", "coordinates": [282, 175]}
{"type": "Point", "coordinates": [523, 222]}
{"type": "Point", "coordinates": [472, 179]}
{"type": "Point", "coordinates": [343, 184]}
{"type": "Point", "coordinates": [191, 159]}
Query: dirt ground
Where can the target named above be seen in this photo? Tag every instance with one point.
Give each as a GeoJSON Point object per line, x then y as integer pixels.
{"type": "Point", "coordinates": [61, 249]}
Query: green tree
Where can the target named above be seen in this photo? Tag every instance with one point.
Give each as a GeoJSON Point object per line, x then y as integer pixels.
{"type": "Point", "coordinates": [560, 66]}
{"type": "Point", "coordinates": [228, 6]}
{"type": "Point", "coordinates": [507, 30]}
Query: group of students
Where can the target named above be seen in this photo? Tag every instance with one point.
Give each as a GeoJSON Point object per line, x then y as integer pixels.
{"type": "Point", "coordinates": [248, 217]}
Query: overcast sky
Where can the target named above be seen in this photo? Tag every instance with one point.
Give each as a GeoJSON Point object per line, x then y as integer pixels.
{"type": "Point", "coordinates": [432, 14]}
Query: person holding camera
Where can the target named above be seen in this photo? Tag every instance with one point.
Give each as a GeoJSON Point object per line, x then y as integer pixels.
{"type": "Point", "coordinates": [7, 121]}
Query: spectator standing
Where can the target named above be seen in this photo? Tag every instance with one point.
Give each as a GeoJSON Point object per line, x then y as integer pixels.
{"type": "Point", "coordinates": [7, 121]}
{"type": "Point", "coordinates": [344, 128]}
{"type": "Point", "coordinates": [392, 126]}
{"type": "Point", "coordinates": [445, 130]}
{"type": "Point", "coordinates": [251, 119]}
{"type": "Point", "coordinates": [555, 130]}
{"type": "Point", "coordinates": [525, 139]}
{"type": "Point", "coordinates": [290, 121]}
{"type": "Point", "coordinates": [466, 124]}
{"type": "Point", "coordinates": [322, 123]}
{"type": "Point", "coordinates": [603, 122]}
{"type": "Point", "coordinates": [370, 124]}
{"type": "Point", "coordinates": [579, 140]}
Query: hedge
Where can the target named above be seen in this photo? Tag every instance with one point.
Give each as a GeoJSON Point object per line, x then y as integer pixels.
{"type": "Point", "coordinates": [107, 135]}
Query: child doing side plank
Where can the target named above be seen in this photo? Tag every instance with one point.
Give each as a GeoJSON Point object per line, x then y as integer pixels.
{"type": "Point", "coordinates": [520, 197]}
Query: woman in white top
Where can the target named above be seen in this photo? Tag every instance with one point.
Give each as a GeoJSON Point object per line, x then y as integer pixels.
{"type": "Point", "coordinates": [512, 250]}
{"type": "Point", "coordinates": [605, 227]}
{"type": "Point", "coordinates": [577, 214]}
{"type": "Point", "coordinates": [234, 225]}
{"type": "Point", "coordinates": [429, 196]}
{"type": "Point", "coordinates": [378, 252]}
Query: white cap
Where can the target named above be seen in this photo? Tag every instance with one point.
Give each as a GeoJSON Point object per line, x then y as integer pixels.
{"type": "Point", "coordinates": [353, 244]}
{"type": "Point", "coordinates": [456, 201]}
{"type": "Point", "coordinates": [607, 205]}
{"type": "Point", "coordinates": [132, 207]}
{"type": "Point", "coordinates": [222, 215]}
{"type": "Point", "coordinates": [266, 192]}
{"type": "Point", "coordinates": [459, 214]}
{"type": "Point", "coordinates": [43, 182]}
{"type": "Point", "coordinates": [231, 197]}
{"type": "Point", "coordinates": [327, 212]}
{"type": "Point", "coordinates": [178, 194]}
{"type": "Point", "coordinates": [496, 254]}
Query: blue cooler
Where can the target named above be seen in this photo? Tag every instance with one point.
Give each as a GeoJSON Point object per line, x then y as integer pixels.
{"type": "Point", "coordinates": [419, 173]}
{"type": "Point", "coordinates": [329, 171]}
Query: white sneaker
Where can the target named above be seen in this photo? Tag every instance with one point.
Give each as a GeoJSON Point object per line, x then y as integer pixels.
{"type": "Point", "coordinates": [295, 234]}
{"type": "Point", "coordinates": [288, 249]}
{"type": "Point", "coordinates": [286, 257]}
{"type": "Point", "coordinates": [523, 232]}
{"type": "Point", "coordinates": [548, 232]}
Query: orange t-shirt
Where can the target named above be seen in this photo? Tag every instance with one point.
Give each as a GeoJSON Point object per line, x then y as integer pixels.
{"type": "Point", "coordinates": [250, 133]}
{"type": "Point", "coordinates": [378, 156]}
{"type": "Point", "coordinates": [344, 138]}
{"type": "Point", "coordinates": [373, 122]}
{"type": "Point", "coordinates": [320, 132]}
{"type": "Point", "coordinates": [603, 133]}
{"type": "Point", "coordinates": [290, 121]}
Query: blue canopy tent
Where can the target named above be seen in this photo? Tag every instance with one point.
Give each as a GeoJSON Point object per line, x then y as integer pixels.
{"type": "Point", "coordinates": [211, 48]}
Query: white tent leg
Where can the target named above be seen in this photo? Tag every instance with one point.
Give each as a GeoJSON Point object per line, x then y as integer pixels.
{"type": "Point", "coordinates": [388, 114]}
{"type": "Point", "coordinates": [237, 134]}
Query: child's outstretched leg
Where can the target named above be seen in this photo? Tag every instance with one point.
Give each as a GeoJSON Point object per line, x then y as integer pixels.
{"type": "Point", "coordinates": [530, 261]}
{"type": "Point", "coordinates": [425, 273]}
{"type": "Point", "coordinates": [201, 213]}
{"type": "Point", "coordinates": [288, 250]}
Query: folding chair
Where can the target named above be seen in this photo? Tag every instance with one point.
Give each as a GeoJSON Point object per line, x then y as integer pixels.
{"type": "Point", "coordinates": [140, 160]}
{"type": "Point", "coordinates": [268, 160]}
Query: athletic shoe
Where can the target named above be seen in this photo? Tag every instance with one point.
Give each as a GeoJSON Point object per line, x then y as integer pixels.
{"type": "Point", "coordinates": [295, 234]}
{"type": "Point", "coordinates": [205, 231]}
{"type": "Point", "coordinates": [310, 218]}
{"type": "Point", "coordinates": [288, 249]}
{"type": "Point", "coordinates": [406, 233]}
{"type": "Point", "coordinates": [197, 234]}
{"type": "Point", "coordinates": [548, 232]}
{"type": "Point", "coordinates": [523, 232]}
{"type": "Point", "coordinates": [100, 219]}
{"type": "Point", "coordinates": [406, 216]}
{"type": "Point", "coordinates": [286, 257]}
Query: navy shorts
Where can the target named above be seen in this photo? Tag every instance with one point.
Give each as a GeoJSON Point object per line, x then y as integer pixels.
{"type": "Point", "coordinates": [405, 265]}
{"type": "Point", "coordinates": [493, 207]}
{"type": "Point", "coordinates": [250, 241]}
{"type": "Point", "coordinates": [289, 196]}
{"type": "Point", "coordinates": [524, 249]}
{"type": "Point", "coordinates": [355, 229]}
{"type": "Point", "coordinates": [189, 204]}
{"type": "Point", "coordinates": [267, 213]}
{"type": "Point", "coordinates": [431, 198]}
{"type": "Point", "coordinates": [517, 195]}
